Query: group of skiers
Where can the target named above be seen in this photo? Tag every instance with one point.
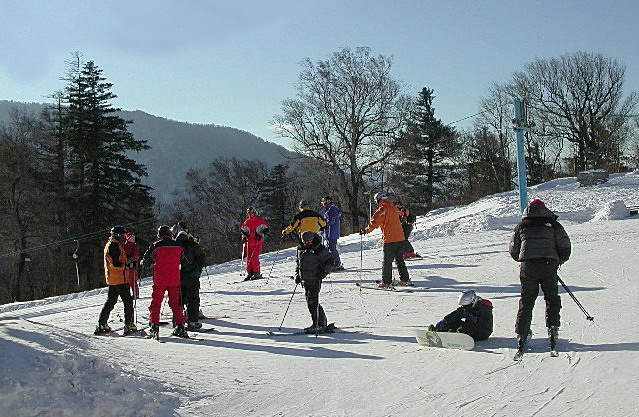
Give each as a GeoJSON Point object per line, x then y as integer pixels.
{"type": "Point", "coordinates": [176, 260]}
{"type": "Point", "coordinates": [539, 242]}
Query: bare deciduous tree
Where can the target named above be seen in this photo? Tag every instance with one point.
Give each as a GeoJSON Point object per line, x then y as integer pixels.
{"type": "Point", "coordinates": [348, 109]}
{"type": "Point", "coordinates": [579, 97]}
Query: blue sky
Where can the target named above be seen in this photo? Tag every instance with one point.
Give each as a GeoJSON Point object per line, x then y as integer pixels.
{"type": "Point", "coordinates": [233, 62]}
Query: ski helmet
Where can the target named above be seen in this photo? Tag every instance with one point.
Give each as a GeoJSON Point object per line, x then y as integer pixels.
{"type": "Point", "coordinates": [118, 231]}
{"type": "Point", "coordinates": [378, 196]}
{"type": "Point", "coordinates": [308, 236]}
{"type": "Point", "coordinates": [468, 298]}
{"type": "Point", "coordinates": [164, 231]}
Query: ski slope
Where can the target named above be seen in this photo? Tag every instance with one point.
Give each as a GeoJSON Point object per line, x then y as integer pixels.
{"type": "Point", "coordinates": [52, 365]}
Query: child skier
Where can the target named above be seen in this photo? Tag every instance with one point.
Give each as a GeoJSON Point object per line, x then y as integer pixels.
{"type": "Point", "coordinates": [314, 262]}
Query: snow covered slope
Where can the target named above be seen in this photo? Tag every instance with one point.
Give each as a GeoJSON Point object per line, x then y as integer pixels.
{"type": "Point", "coordinates": [52, 365]}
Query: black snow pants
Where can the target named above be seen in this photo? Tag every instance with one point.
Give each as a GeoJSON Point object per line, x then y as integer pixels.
{"type": "Point", "coordinates": [533, 274]}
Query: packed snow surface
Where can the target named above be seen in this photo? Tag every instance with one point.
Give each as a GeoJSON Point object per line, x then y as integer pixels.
{"type": "Point", "coordinates": [52, 365]}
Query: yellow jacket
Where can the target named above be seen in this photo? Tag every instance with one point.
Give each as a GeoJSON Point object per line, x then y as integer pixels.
{"type": "Point", "coordinates": [306, 220]}
{"type": "Point", "coordinates": [114, 275]}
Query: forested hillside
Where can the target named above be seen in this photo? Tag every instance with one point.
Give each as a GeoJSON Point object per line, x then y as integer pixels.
{"type": "Point", "coordinates": [177, 147]}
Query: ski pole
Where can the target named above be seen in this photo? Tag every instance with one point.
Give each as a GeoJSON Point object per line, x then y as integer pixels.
{"type": "Point", "coordinates": [242, 258]}
{"type": "Point", "coordinates": [273, 264]}
{"type": "Point", "coordinates": [588, 316]}
{"type": "Point", "coordinates": [208, 277]}
{"type": "Point", "coordinates": [287, 307]}
{"type": "Point", "coordinates": [361, 258]}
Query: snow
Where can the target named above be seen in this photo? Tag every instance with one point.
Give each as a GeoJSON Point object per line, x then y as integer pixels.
{"type": "Point", "coordinates": [52, 365]}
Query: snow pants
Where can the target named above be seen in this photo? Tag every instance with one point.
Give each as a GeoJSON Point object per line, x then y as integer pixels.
{"type": "Point", "coordinates": [312, 290]}
{"type": "Point", "coordinates": [253, 249]}
{"type": "Point", "coordinates": [394, 251]}
{"type": "Point", "coordinates": [533, 274]}
{"type": "Point", "coordinates": [115, 291]}
{"type": "Point", "coordinates": [332, 249]}
{"type": "Point", "coordinates": [408, 247]}
{"type": "Point", "coordinates": [190, 298]}
{"type": "Point", "coordinates": [174, 303]}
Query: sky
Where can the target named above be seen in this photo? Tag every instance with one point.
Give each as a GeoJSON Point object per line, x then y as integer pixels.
{"type": "Point", "coordinates": [232, 63]}
{"type": "Point", "coordinates": [372, 366]}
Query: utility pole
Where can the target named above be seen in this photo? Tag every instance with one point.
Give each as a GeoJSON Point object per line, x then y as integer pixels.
{"type": "Point", "coordinates": [521, 126]}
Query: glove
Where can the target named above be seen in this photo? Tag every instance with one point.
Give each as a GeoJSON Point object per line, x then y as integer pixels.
{"type": "Point", "coordinates": [298, 279]}
{"type": "Point", "coordinates": [258, 237]}
{"type": "Point", "coordinates": [441, 325]}
{"type": "Point", "coordinates": [362, 232]}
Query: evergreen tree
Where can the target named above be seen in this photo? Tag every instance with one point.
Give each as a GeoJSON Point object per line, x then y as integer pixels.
{"type": "Point", "coordinates": [104, 181]}
{"type": "Point", "coordinates": [424, 151]}
{"type": "Point", "coordinates": [275, 197]}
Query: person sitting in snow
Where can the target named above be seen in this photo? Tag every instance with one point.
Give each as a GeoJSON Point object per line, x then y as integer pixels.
{"type": "Point", "coordinates": [314, 262]}
{"type": "Point", "coordinates": [474, 317]}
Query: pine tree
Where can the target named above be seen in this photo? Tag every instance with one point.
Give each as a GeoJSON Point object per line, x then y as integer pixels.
{"type": "Point", "coordinates": [275, 196]}
{"type": "Point", "coordinates": [425, 147]}
{"type": "Point", "coordinates": [104, 181]}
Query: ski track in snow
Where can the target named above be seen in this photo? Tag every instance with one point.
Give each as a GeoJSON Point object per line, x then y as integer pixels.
{"type": "Point", "coordinates": [373, 367]}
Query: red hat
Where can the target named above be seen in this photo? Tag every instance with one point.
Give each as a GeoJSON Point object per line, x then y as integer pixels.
{"type": "Point", "coordinates": [537, 202]}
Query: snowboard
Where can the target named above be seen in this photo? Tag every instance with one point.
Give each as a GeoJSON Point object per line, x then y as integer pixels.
{"type": "Point", "coordinates": [450, 340]}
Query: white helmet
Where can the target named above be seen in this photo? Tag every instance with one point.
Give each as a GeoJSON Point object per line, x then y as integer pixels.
{"type": "Point", "coordinates": [468, 298]}
{"type": "Point", "coordinates": [378, 196]}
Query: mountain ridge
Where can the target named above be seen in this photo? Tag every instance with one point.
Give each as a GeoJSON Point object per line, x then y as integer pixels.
{"type": "Point", "coordinates": [179, 145]}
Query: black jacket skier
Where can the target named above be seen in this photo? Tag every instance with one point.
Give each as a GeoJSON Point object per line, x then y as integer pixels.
{"type": "Point", "coordinates": [314, 262]}
{"type": "Point", "coordinates": [540, 243]}
{"type": "Point", "coordinates": [190, 270]}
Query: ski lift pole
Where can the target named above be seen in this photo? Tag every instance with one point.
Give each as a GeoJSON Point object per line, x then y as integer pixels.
{"type": "Point", "coordinates": [588, 316]}
{"type": "Point", "coordinates": [75, 257]}
{"type": "Point", "coordinates": [520, 127]}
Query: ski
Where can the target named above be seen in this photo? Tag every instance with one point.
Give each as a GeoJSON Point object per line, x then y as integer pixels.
{"type": "Point", "coordinates": [247, 280]}
{"type": "Point", "coordinates": [141, 331]}
{"type": "Point", "coordinates": [402, 288]}
{"type": "Point", "coordinates": [203, 330]}
{"type": "Point", "coordinates": [328, 329]}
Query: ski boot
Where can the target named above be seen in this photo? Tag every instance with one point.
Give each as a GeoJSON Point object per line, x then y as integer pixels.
{"type": "Point", "coordinates": [193, 326]}
{"type": "Point", "coordinates": [180, 331]}
{"type": "Point", "coordinates": [407, 283]}
{"type": "Point", "coordinates": [102, 329]}
{"type": "Point", "coordinates": [553, 335]}
{"type": "Point", "coordinates": [249, 277]}
{"type": "Point", "coordinates": [154, 330]}
{"type": "Point", "coordinates": [130, 328]}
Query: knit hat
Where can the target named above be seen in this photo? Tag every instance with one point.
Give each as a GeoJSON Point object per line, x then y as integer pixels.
{"type": "Point", "coordinates": [537, 202]}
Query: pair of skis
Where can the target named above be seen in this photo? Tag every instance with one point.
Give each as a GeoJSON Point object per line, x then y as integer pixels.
{"type": "Point", "coordinates": [522, 349]}
{"type": "Point", "coordinates": [329, 328]}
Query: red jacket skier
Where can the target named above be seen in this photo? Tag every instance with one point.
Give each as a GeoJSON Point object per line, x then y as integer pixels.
{"type": "Point", "coordinates": [166, 255]}
{"type": "Point", "coordinates": [253, 230]}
